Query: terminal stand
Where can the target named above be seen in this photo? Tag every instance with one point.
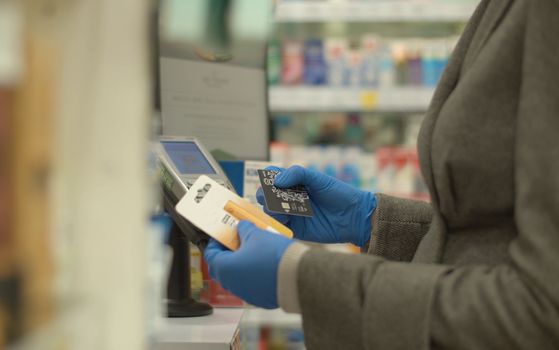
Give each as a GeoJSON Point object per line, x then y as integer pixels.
{"type": "Point", "coordinates": [179, 297]}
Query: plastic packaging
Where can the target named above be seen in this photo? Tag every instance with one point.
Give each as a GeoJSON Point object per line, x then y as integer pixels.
{"type": "Point", "coordinates": [415, 68]}
{"type": "Point", "coordinates": [292, 58]}
{"type": "Point", "coordinates": [316, 70]}
{"type": "Point", "coordinates": [335, 58]}
{"type": "Point", "coordinates": [350, 170]}
{"type": "Point", "coordinates": [371, 61]}
{"type": "Point", "coordinates": [273, 68]}
{"type": "Point", "coordinates": [387, 75]}
{"type": "Point", "coordinates": [352, 75]}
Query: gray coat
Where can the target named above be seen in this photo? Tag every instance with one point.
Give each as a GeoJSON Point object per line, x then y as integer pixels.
{"type": "Point", "coordinates": [478, 268]}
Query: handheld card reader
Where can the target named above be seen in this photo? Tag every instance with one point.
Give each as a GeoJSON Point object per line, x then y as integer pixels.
{"type": "Point", "coordinates": [182, 160]}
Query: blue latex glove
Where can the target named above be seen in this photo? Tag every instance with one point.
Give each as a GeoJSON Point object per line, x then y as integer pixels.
{"type": "Point", "coordinates": [251, 272]}
{"type": "Point", "coordinates": [342, 213]}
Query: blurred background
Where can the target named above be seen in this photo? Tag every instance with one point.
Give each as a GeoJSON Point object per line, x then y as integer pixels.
{"type": "Point", "coordinates": [345, 85]}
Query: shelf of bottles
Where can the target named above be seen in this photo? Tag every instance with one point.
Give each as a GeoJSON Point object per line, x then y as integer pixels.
{"type": "Point", "coordinates": [372, 73]}
{"type": "Point", "coordinates": [350, 81]}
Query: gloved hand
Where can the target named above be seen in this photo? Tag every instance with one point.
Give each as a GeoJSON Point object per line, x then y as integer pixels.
{"type": "Point", "coordinates": [342, 213]}
{"type": "Point", "coordinates": [251, 272]}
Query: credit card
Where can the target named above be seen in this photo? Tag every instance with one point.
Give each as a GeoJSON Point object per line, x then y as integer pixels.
{"type": "Point", "coordinates": [215, 210]}
{"type": "Point", "coordinates": [290, 201]}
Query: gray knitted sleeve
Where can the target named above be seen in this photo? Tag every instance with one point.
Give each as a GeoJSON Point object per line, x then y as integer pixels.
{"type": "Point", "coordinates": [398, 226]}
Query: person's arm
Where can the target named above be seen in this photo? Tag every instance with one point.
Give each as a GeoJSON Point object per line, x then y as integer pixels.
{"type": "Point", "coordinates": [379, 224]}
{"type": "Point", "coordinates": [366, 302]}
{"type": "Point", "coordinates": [398, 227]}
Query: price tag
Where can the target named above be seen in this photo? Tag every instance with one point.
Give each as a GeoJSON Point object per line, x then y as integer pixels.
{"type": "Point", "coordinates": [369, 99]}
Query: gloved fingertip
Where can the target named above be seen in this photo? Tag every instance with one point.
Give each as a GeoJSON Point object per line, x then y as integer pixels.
{"type": "Point", "coordinates": [278, 181]}
{"type": "Point", "coordinates": [212, 250]}
{"type": "Point", "coordinates": [244, 227]}
{"type": "Point", "coordinates": [243, 224]}
{"type": "Point", "coordinates": [290, 177]}
{"type": "Point", "coordinates": [244, 230]}
{"type": "Point", "coordinates": [211, 244]}
{"type": "Point", "coordinates": [260, 196]}
{"type": "Point", "coordinates": [274, 168]}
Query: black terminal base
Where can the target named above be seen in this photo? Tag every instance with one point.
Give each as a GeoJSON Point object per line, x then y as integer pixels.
{"type": "Point", "coordinates": [188, 308]}
{"type": "Point", "coordinates": [179, 296]}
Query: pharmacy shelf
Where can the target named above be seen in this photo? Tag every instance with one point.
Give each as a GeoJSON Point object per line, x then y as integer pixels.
{"type": "Point", "coordinates": [374, 11]}
{"type": "Point", "coordinates": [326, 99]}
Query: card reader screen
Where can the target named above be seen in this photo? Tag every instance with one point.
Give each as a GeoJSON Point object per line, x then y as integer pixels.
{"type": "Point", "coordinates": [188, 158]}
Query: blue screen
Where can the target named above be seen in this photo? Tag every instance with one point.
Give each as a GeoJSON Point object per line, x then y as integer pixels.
{"type": "Point", "coordinates": [187, 157]}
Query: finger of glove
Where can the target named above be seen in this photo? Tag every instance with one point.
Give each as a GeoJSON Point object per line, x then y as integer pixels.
{"type": "Point", "coordinates": [213, 249]}
{"type": "Point", "coordinates": [297, 175]}
{"type": "Point", "coordinates": [284, 219]}
{"type": "Point", "coordinates": [246, 229]}
{"type": "Point", "coordinates": [274, 168]}
{"type": "Point", "coordinates": [260, 197]}
{"type": "Point", "coordinates": [216, 255]}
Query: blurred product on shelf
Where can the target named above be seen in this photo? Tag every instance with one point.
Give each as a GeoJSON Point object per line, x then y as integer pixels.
{"type": "Point", "coordinates": [315, 68]}
{"type": "Point", "coordinates": [196, 272]}
{"type": "Point", "coordinates": [273, 67]}
{"type": "Point", "coordinates": [392, 170]}
{"type": "Point", "coordinates": [271, 329]}
{"type": "Point", "coordinates": [204, 288]}
{"type": "Point", "coordinates": [210, 292]}
{"type": "Point", "coordinates": [292, 61]}
{"type": "Point", "coordinates": [353, 61]}
{"type": "Point", "coordinates": [366, 130]}
{"type": "Point", "coordinates": [354, 133]}
{"type": "Point", "coordinates": [256, 337]}
{"type": "Point", "coordinates": [370, 66]}
{"type": "Point", "coordinates": [335, 49]}
{"type": "Point", "coordinates": [374, 62]}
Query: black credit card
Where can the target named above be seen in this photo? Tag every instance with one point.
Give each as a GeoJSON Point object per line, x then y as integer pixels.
{"type": "Point", "coordinates": [290, 201]}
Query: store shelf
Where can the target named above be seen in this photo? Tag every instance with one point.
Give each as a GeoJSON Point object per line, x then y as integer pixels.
{"type": "Point", "coordinates": [326, 99]}
{"type": "Point", "coordinates": [374, 11]}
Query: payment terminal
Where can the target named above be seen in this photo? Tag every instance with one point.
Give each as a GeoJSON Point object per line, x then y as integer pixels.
{"type": "Point", "coordinates": [182, 160]}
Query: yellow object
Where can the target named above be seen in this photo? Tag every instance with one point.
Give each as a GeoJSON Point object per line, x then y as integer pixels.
{"type": "Point", "coordinates": [260, 219]}
{"type": "Point", "coordinates": [369, 99]}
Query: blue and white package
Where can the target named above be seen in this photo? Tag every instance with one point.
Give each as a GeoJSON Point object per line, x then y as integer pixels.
{"type": "Point", "coordinates": [316, 70]}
